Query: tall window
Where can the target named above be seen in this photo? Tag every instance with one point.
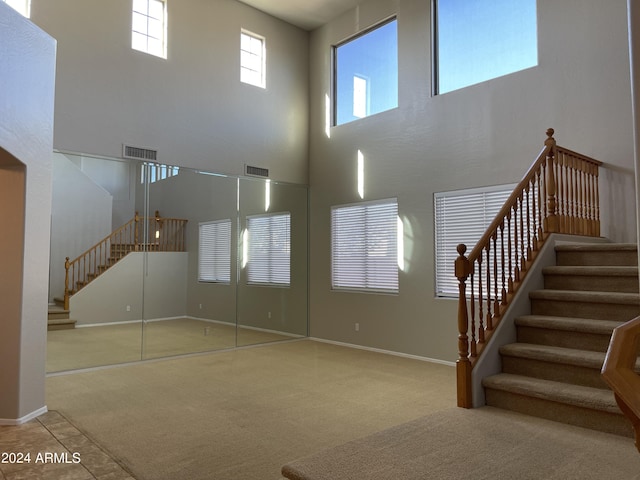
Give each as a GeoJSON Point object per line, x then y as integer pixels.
{"type": "Point", "coordinates": [20, 6]}
{"type": "Point", "coordinates": [252, 59]}
{"type": "Point", "coordinates": [149, 27]}
{"type": "Point", "coordinates": [366, 74]}
{"type": "Point", "coordinates": [462, 217]}
{"type": "Point", "coordinates": [364, 246]}
{"type": "Point", "coordinates": [269, 249]}
{"type": "Point", "coordinates": [214, 251]}
{"type": "Point", "coordinates": [477, 40]}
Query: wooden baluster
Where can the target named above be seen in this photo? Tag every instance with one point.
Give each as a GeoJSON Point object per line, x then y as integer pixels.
{"type": "Point", "coordinates": [596, 202]}
{"type": "Point", "coordinates": [538, 188]}
{"type": "Point", "coordinates": [583, 199]}
{"type": "Point", "coordinates": [510, 253]}
{"type": "Point", "coordinates": [561, 182]}
{"type": "Point", "coordinates": [472, 301]}
{"type": "Point", "coordinates": [481, 328]}
{"type": "Point", "coordinates": [592, 196]}
{"type": "Point", "coordinates": [488, 322]}
{"type": "Point", "coordinates": [528, 209]}
{"type": "Point", "coordinates": [136, 232]}
{"type": "Point", "coordinates": [522, 255]}
{"type": "Point", "coordinates": [503, 293]}
{"type": "Point", "coordinates": [516, 266]}
{"type": "Point", "coordinates": [66, 283]}
{"type": "Point", "coordinates": [552, 219]}
{"type": "Point", "coordinates": [574, 194]}
{"type": "Point", "coordinates": [463, 364]}
{"type": "Point", "coordinates": [534, 212]}
{"type": "Point", "coordinates": [496, 301]}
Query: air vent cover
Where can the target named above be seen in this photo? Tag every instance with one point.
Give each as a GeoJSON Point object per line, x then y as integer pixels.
{"type": "Point", "coordinates": [256, 171]}
{"type": "Point", "coordinates": [138, 153]}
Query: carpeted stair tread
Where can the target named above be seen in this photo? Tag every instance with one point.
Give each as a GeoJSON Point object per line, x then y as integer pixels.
{"type": "Point", "coordinates": [596, 247]}
{"type": "Point", "coordinates": [599, 270]}
{"type": "Point", "coordinates": [586, 296]}
{"type": "Point", "coordinates": [569, 324]}
{"type": "Point", "coordinates": [545, 353]}
{"type": "Point", "coordinates": [580, 396]}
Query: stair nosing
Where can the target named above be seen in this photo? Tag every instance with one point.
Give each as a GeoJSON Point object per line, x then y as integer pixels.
{"type": "Point", "coordinates": [591, 270]}
{"type": "Point", "coordinates": [586, 296]}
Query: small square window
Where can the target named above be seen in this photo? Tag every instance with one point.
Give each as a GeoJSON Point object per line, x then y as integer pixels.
{"type": "Point", "coordinates": [252, 59]}
{"type": "Point", "coordinates": [149, 27]}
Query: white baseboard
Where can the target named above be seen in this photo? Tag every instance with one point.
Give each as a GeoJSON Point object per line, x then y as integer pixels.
{"type": "Point", "coordinates": [25, 419]}
{"type": "Point", "coordinates": [386, 352]}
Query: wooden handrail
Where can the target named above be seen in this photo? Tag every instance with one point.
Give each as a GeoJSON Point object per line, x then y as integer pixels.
{"type": "Point", "coordinates": [165, 235]}
{"type": "Point", "coordinates": [558, 194]}
{"type": "Point", "coordinates": [618, 371]}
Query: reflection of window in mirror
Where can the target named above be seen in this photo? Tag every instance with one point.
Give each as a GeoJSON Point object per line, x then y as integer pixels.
{"type": "Point", "coordinates": [214, 251]}
{"type": "Point", "coordinates": [269, 249]}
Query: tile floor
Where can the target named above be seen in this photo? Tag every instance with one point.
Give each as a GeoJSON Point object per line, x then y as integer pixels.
{"type": "Point", "coordinates": [57, 451]}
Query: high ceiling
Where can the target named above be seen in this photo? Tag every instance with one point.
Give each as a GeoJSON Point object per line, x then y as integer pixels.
{"type": "Point", "coordinates": [306, 14]}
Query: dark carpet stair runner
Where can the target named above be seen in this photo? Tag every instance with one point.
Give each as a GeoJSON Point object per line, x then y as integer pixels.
{"type": "Point", "coordinates": [553, 371]}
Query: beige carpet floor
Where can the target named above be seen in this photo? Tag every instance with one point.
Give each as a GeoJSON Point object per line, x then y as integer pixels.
{"type": "Point", "coordinates": [245, 413]}
{"type": "Point", "coordinates": [87, 347]}
{"type": "Point", "coordinates": [242, 414]}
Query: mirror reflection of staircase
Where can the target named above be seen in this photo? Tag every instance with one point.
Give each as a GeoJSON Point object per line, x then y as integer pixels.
{"type": "Point", "coordinates": [166, 235]}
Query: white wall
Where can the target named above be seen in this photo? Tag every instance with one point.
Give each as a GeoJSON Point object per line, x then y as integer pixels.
{"type": "Point", "coordinates": [133, 289]}
{"type": "Point", "coordinates": [481, 135]}
{"type": "Point", "coordinates": [191, 107]}
{"type": "Point", "coordinates": [27, 63]}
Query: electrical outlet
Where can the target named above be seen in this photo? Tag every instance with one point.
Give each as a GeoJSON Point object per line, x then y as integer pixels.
{"type": "Point", "coordinates": [128, 308]}
{"type": "Point", "coordinates": [200, 306]}
{"type": "Point", "coordinates": [357, 325]}
{"type": "Point", "coordinates": [269, 315]}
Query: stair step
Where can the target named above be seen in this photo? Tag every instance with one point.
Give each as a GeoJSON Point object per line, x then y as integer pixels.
{"type": "Point", "coordinates": [610, 254]}
{"type": "Point", "coordinates": [582, 406]}
{"type": "Point", "coordinates": [595, 305]}
{"type": "Point", "coordinates": [61, 324]}
{"type": "Point", "coordinates": [567, 365]}
{"type": "Point", "coordinates": [569, 332]}
{"type": "Point", "coordinates": [592, 278]}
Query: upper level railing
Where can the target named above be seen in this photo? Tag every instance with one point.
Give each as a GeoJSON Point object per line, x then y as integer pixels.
{"type": "Point", "coordinates": [139, 234]}
{"type": "Point", "coordinates": [558, 194]}
{"type": "Point", "coordinates": [619, 371]}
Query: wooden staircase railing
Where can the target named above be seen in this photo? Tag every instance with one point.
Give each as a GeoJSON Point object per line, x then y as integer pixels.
{"type": "Point", "coordinates": [558, 194]}
{"type": "Point", "coordinates": [618, 371]}
{"type": "Point", "coordinates": [162, 235]}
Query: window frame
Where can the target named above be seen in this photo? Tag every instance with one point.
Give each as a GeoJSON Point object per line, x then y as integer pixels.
{"type": "Point", "coordinates": [262, 73]}
{"type": "Point", "coordinates": [436, 56]}
{"type": "Point", "coordinates": [219, 258]}
{"type": "Point", "coordinates": [335, 74]}
{"type": "Point", "coordinates": [23, 7]}
{"type": "Point", "coordinates": [373, 277]}
{"type": "Point", "coordinates": [272, 268]}
{"type": "Point", "coordinates": [162, 53]}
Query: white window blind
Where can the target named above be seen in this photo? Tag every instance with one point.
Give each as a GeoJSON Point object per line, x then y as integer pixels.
{"type": "Point", "coordinates": [462, 217]}
{"type": "Point", "coordinates": [269, 249]}
{"type": "Point", "coordinates": [364, 246]}
{"type": "Point", "coordinates": [214, 251]}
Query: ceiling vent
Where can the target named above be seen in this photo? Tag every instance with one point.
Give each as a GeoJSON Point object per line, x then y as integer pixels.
{"type": "Point", "coordinates": [138, 153]}
{"type": "Point", "coordinates": [256, 171]}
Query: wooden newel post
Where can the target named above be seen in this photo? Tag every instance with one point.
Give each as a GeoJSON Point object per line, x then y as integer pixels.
{"type": "Point", "coordinates": [66, 283]}
{"type": "Point", "coordinates": [463, 365]}
{"type": "Point", "coordinates": [551, 222]}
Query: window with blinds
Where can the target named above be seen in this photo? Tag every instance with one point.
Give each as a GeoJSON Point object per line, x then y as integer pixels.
{"type": "Point", "coordinates": [269, 251]}
{"type": "Point", "coordinates": [462, 217]}
{"type": "Point", "coordinates": [364, 246]}
{"type": "Point", "coordinates": [214, 251]}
